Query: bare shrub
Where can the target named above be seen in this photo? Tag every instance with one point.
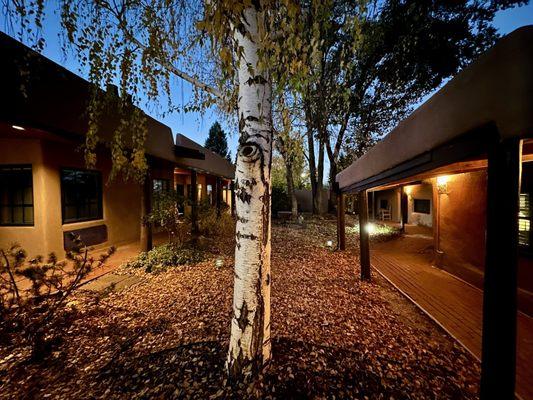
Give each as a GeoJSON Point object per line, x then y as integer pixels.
{"type": "Point", "coordinates": [34, 292]}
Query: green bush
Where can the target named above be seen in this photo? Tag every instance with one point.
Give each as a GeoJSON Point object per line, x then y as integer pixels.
{"type": "Point", "coordinates": [160, 258]}
{"type": "Point", "coordinates": [280, 200]}
{"type": "Point", "coordinates": [211, 224]}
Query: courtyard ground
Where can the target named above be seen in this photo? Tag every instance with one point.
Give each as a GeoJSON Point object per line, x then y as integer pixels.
{"type": "Point", "coordinates": [166, 335]}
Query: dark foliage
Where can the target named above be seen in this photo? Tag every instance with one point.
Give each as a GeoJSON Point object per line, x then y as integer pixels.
{"type": "Point", "coordinates": [280, 199]}
{"type": "Point", "coordinates": [410, 48]}
{"type": "Point", "coordinates": [217, 141]}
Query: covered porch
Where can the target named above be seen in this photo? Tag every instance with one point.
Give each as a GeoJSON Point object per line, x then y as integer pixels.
{"type": "Point", "coordinates": [459, 166]}
{"type": "Point", "coordinates": [451, 302]}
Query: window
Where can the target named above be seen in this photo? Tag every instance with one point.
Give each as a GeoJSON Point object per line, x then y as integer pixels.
{"type": "Point", "coordinates": [524, 221]}
{"type": "Point", "coordinates": [525, 214]}
{"type": "Point", "coordinates": [16, 195]}
{"type": "Point", "coordinates": [81, 195]}
{"type": "Point", "coordinates": [180, 190]}
{"type": "Point", "coordinates": [210, 193]}
{"type": "Point", "coordinates": [422, 206]}
{"type": "Point", "coordinates": [161, 185]}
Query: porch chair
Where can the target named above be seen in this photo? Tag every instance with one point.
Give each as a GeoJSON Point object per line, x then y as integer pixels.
{"type": "Point", "coordinates": [385, 214]}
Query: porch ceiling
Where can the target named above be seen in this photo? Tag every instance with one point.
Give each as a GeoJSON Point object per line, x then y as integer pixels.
{"type": "Point", "coordinates": [491, 98]}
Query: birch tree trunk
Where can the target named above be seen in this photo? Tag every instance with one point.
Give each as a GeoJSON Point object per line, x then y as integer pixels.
{"type": "Point", "coordinates": [250, 346]}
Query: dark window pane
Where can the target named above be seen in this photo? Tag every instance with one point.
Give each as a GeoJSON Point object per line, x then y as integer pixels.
{"type": "Point", "coordinates": [16, 195]}
{"type": "Point", "coordinates": [81, 195]}
{"type": "Point", "coordinates": [422, 206]}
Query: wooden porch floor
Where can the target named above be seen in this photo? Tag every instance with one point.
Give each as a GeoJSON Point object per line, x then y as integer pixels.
{"type": "Point", "coordinates": [453, 304]}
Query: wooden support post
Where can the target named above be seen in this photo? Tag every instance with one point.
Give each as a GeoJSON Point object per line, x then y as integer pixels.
{"type": "Point", "coordinates": [341, 222]}
{"type": "Point", "coordinates": [404, 203]}
{"type": "Point", "coordinates": [373, 205]}
{"type": "Point", "coordinates": [194, 204]}
{"type": "Point", "coordinates": [146, 209]}
{"type": "Point", "coordinates": [364, 244]}
{"type": "Point", "coordinates": [218, 194]}
{"type": "Point", "coordinates": [500, 280]}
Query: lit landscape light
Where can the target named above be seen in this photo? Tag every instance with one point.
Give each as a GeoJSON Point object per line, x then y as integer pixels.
{"type": "Point", "coordinates": [18, 127]}
{"type": "Point", "coordinates": [329, 244]}
{"type": "Point", "coordinates": [370, 228]}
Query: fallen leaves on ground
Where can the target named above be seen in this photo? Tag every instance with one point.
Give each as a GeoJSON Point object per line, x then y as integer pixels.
{"type": "Point", "coordinates": [333, 336]}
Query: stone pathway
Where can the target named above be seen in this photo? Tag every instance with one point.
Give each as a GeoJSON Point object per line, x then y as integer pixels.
{"type": "Point", "coordinates": [111, 281]}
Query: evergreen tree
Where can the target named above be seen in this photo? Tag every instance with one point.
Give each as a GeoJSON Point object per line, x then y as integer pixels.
{"type": "Point", "coordinates": [217, 141]}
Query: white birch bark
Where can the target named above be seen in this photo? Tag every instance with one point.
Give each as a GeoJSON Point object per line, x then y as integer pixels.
{"type": "Point", "coordinates": [250, 346]}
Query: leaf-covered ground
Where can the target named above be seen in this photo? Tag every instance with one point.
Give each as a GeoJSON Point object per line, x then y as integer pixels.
{"type": "Point", "coordinates": [333, 336]}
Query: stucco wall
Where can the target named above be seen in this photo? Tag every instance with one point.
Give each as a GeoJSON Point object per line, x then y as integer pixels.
{"type": "Point", "coordinates": [462, 225]}
{"type": "Point", "coordinates": [33, 238]}
{"type": "Point", "coordinates": [120, 200]}
{"type": "Point", "coordinates": [462, 235]}
{"type": "Point", "coordinates": [392, 197]}
{"type": "Point", "coordinates": [304, 198]}
{"type": "Point", "coordinates": [423, 191]}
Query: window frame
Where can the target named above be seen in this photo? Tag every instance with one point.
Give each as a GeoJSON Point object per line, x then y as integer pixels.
{"type": "Point", "coordinates": [165, 185]}
{"type": "Point", "coordinates": [99, 197]}
{"type": "Point", "coordinates": [526, 248]}
{"type": "Point", "coordinates": [23, 205]}
{"type": "Point", "coordinates": [422, 200]}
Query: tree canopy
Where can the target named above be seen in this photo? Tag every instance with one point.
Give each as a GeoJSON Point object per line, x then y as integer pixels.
{"type": "Point", "coordinates": [217, 141]}
{"type": "Point", "coordinates": [365, 78]}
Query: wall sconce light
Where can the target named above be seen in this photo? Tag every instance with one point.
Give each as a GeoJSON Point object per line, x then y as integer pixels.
{"type": "Point", "coordinates": [442, 184]}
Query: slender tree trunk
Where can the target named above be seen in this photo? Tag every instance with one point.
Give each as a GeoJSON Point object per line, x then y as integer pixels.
{"type": "Point", "coordinates": [332, 200]}
{"type": "Point", "coordinates": [311, 155]}
{"type": "Point", "coordinates": [319, 179]}
{"type": "Point", "coordinates": [290, 190]}
{"type": "Point", "coordinates": [250, 346]}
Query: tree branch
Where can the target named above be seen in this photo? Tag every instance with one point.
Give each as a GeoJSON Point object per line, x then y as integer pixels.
{"type": "Point", "coordinates": [171, 68]}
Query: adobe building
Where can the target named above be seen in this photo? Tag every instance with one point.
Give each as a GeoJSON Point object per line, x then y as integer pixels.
{"type": "Point", "coordinates": [46, 192]}
{"type": "Point", "coordinates": [459, 167]}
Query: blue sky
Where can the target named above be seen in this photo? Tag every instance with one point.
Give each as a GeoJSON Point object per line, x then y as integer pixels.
{"type": "Point", "coordinates": [195, 125]}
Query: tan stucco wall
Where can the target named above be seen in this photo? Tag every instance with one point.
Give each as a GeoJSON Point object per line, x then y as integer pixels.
{"type": "Point", "coordinates": [423, 191]}
{"type": "Point", "coordinates": [27, 151]}
{"type": "Point", "coordinates": [121, 201]}
{"type": "Point", "coordinates": [462, 235]}
{"type": "Point", "coordinates": [393, 198]}
{"type": "Point", "coordinates": [462, 225]}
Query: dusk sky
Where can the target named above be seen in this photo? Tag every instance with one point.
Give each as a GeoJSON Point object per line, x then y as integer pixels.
{"type": "Point", "coordinates": [196, 126]}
